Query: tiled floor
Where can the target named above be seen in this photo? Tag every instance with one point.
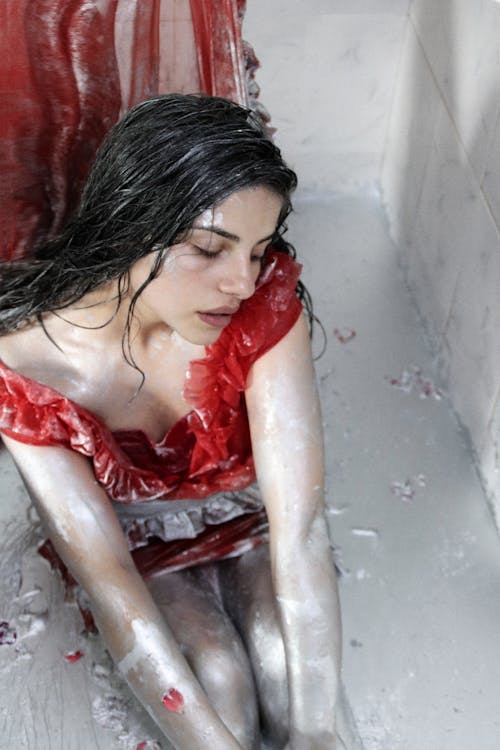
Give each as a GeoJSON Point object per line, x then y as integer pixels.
{"type": "Point", "coordinates": [414, 536]}
{"type": "Point", "coordinates": [421, 591]}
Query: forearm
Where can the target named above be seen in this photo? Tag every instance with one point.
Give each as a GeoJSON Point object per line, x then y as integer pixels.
{"type": "Point", "coordinates": [150, 659]}
{"type": "Point", "coordinates": [88, 537]}
{"type": "Point", "coordinates": [285, 422]}
{"type": "Point", "coordinates": [307, 597]}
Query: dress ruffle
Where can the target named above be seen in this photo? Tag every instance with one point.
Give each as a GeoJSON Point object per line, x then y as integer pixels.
{"type": "Point", "coordinates": [205, 452]}
{"type": "Point", "coordinates": [183, 519]}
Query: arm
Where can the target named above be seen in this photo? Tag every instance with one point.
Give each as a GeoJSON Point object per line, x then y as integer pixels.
{"type": "Point", "coordinates": [287, 443]}
{"type": "Point", "coordinates": [87, 535]}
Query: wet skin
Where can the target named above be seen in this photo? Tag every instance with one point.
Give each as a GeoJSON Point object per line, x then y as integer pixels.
{"type": "Point", "coordinates": [192, 648]}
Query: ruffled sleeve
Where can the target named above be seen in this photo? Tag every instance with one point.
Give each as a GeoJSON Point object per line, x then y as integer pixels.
{"type": "Point", "coordinates": [33, 413]}
{"type": "Point", "coordinates": [207, 451]}
{"type": "Point", "coordinates": [215, 384]}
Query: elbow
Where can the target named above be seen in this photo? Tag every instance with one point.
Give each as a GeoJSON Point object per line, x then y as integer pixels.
{"type": "Point", "coordinates": [302, 532]}
{"type": "Point", "coordinates": [314, 533]}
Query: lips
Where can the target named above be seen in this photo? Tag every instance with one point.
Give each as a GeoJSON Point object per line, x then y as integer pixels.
{"type": "Point", "coordinates": [218, 318]}
{"type": "Point", "coordinates": [221, 311]}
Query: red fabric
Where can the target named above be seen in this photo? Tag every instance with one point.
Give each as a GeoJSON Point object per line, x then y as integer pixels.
{"type": "Point", "coordinates": [60, 93]}
{"type": "Point", "coordinates": [205, 452]}
{"type": "Point", "coordinates": [217, 30]}
{"type": "Point", "coordinates": [145, 50]}
{"type": "Point", "coordinates": [229, 539]}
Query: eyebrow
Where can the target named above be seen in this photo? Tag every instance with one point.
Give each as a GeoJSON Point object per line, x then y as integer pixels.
{"type": "Point", "coordinates": [230, 235]}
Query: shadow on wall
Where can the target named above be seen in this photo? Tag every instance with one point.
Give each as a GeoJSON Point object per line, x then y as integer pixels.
{"type": "Point", "coordinates": [441, 201]}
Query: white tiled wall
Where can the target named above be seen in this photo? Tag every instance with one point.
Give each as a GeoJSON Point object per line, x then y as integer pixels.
{"type": "Point", "coordinates": [441, 184]}
{"type": "Point", "coordinates": [328, 74]}
{"type": "Point", "coordinates": [405, 94]}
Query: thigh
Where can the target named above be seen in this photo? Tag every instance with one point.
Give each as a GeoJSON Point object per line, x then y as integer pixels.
{"type": "Point", "coordinates": [212, 646]}
{"type": "Point", "coordinates": [248, 596]}
{"type": "Point", "coordinates": [190, 603]}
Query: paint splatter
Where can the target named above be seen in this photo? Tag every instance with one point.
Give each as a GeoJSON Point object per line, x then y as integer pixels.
{"type": "Point", "coordinates": [173, 701]}
{"type": "Point", "coordinates": [8, 634]}
{"type": "Point", "coordinates": [344, 335]}
{"type": "Point", "coordinates": [362, 575]}
{"type": "Point", "coordinates": [337, 510]}
{"type": "Point", "coordinates": [421, 480]}
{"type": "Point", "coordinates": [407, 489]}
{"type": "Point", "coordinates": [371, 533]}
{"type": "Point", "coordinates": [414, 380]}
{"type": "Point", "coordinates": [73, 656]}
{"type": "Point", "coordinates": [404, 490]}
{"type": "Point", "coordinates": [110, 711]}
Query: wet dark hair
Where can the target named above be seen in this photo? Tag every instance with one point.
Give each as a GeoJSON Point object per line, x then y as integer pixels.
{"type": "Point", "coordinates": [168, 160]}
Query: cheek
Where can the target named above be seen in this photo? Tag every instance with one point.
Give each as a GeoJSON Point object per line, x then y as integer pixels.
{"type": "Point", "coordinates": [186, 262]}
{"type": "Point", "coordinates": [186, 273]}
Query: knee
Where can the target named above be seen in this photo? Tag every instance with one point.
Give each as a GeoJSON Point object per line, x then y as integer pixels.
{"type": "Point", "coordinates": [265, 641]}
{"type": "Point", "coordinates": [224, 672]}
{"type": "Point", "coordinates": [269, 665]}
{"type": "Point", "coordinates": [223, 667]}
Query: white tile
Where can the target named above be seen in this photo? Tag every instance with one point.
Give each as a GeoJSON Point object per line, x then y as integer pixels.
{"type": "Point", "coordinates": [474, 322]}
{"type": "Point", "coordinates": [473, 339]}
{"type": "Point", "coordinates": [460, 39]}
{"type": "Point", "coordinates": [489, 457]}
{"type": "Point", "coordinates": [446, 214]}
{"type": "Point", "coordinates": [298, 9]}
{"type": "Point", "coordinates": [420, 280]}
{"type": "Point", "coordinates": [328, 80]}
{"type": "Point", "coordinates": [468, 393]}
{"type": "Point", "coordinates": [335, 172]}
{"type": "Point", "coordinates": [472, 78]}
{"type": "Point", "coordinates": [433, 22]}
{"type": "Point", "coordinates": [415, 111]}
{"type": "Point", "coordinates": [348, 69]}
{"type": "Point", "coordinates": [491, 179]}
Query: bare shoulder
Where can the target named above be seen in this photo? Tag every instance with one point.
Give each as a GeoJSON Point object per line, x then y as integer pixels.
{"type": "Point", "coordinates": [292, 352]}
{"type": "Point", "coordinates": [31, 353]}
{"type": "Point", "coordinates": [24, 350]}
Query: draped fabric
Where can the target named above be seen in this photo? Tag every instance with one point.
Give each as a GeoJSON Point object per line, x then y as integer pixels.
{"type": "Point", "coordinates": [217, 30]}
{"type": "Point", "coordinates": [69, 69]}
{"type": "Point", "coordinates": [206, 451]}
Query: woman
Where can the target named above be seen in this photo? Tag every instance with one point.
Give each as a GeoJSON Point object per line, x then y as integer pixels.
{"type": "Point", "coordinates": [155, 361]}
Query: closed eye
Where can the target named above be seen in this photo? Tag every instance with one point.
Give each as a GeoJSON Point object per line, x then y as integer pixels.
{"type": "Point", "coordinates": [207, 253]}
{"type": "Point", "coordinates": [214, 253]}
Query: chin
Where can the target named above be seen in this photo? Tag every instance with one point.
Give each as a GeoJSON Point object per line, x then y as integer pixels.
{"type": "Point", "coordinates": [205, 338]}
{"type": "Point", "coordinates": [211, 338]}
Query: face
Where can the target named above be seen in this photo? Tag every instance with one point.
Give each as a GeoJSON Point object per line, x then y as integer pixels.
{"type": "Point", "coordinates": [205, 278]}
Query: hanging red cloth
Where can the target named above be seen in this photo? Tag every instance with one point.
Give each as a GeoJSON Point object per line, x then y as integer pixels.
{"type": "Point", "coordinates": [60, 94]}
{"type": "Point", "coordinates": [217, 30]}
{"type": "Point", "coordinates": [70, 68]}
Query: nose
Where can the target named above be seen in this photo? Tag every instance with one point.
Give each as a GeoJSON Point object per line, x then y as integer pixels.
{"type": "Point", "coordinates": [239, 277]}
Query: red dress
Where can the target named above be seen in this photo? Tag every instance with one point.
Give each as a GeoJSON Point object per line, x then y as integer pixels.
{"type": "Point", "coordinates": [208, 452]}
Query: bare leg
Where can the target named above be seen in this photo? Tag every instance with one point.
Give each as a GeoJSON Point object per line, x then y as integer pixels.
{"type": "Point", "coordinates": [212, 647]}
{"type": "Point", "coordinates": [248, 596]}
